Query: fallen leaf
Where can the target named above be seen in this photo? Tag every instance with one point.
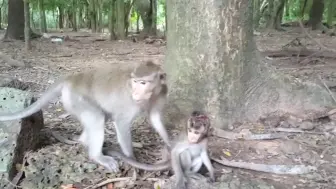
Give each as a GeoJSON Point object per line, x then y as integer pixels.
{"type": "Point", "coordinates": [227, 153]}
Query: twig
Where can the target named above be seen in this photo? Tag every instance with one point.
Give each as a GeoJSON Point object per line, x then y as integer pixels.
{"type": "Point", "coordinates": [295, 130]}
{"type": "Point", "coordinates": [325, 150]}
{"type": "Point", "coordinates": [276, 169]}
{"type": "Point", "coordinates": [325, 85]}
{"type": "Point", "coordinates": [235, 136]}
{"type": "Point", "coordinates": [107, 182]}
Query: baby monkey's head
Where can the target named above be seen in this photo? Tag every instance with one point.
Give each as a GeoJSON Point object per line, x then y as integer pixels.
{"type": "Point", "coordinates": [197, 127]}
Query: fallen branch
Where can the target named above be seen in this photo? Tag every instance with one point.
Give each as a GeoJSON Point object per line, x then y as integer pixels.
{"type": "Point", "coordinates": [243, 136]}
{"type": "Point", "coordinates": [276, 169]}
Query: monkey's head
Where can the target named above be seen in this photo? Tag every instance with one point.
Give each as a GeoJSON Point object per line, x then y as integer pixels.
{"type": "Point", "coordinates": [197, 127]}
{"type": "Point", "coordinates": [148, 81]}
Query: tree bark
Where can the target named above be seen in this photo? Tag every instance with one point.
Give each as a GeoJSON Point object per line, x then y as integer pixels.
{"type": "Point", "coordinates": [331, 10]}
{"type": "Point", "coordinates": [15, 29]}
{"type": "Point", "coordinates": [74, 15]}
{"type": "Point", "coordinates": [213, 65]}
{"type": "Point", "coordinates": [112, 21]}
{"type": "Point", "coordinates": [154, 16]}
{"type": "Point", "coordinates": [279, 13]}
{"type": "Point", "coordinates": [27, 26]}
{"type": "Point", "coordinates": [120, 17]}
{"type": "Point", "coordinates": [256, 16]}
{"type": "Point", "coordinates": [316, 14]}
{"type": "Point", "coordinates": [43, 21]}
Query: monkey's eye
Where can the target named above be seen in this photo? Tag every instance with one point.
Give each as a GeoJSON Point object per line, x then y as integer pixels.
{"type": "Point", "coordinates": [143, 82]}
{"type": "Point", "coordinates": [197, 132]}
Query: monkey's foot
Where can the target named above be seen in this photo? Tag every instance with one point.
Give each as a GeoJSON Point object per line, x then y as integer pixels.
{"type": "Point", "coordinates": [195, 176]}
{"type": "Point", "coordinates": [108, 162]}
{"type": "Point", "coordinates": [181, 183]}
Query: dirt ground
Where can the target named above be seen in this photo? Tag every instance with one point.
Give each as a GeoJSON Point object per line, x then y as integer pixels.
{"type": "Point", "coordinates": [48, 61]}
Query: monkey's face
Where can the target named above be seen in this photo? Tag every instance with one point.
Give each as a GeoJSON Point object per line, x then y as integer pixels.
{"type": "Point", "coordinates": [144, 87]}
{"type": "Point", "coordinates": [194, 135]}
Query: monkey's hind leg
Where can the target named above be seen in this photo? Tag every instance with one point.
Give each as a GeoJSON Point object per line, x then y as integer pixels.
{"type": "Point", "coordinates": [93, 120]}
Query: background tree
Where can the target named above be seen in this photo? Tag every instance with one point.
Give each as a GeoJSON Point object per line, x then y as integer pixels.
{"type": "Point", "coordinates": [221, 71]}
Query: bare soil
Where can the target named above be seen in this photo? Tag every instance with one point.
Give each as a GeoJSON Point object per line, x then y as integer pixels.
{"type": "Point", "coordinates": [48, 61]}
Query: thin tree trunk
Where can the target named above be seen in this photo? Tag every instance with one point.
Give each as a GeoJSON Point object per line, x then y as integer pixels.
{"type": "Point", "coordinates": [287, 8]}
{"type": "Point", "coordinates": [154, 16]}
{"type": "Point", "coordinates": [226, 77]}
{"type": "Point", "coordinates": [112, 21]}
{"type": "Point", "coordinates": [74, 16]}
{"type": "Point", "coordinates": [27, 26]}
{"type": "Point", "coordinates": [60, 17]}
{"type": "Point", "coordinates": [93, 16]}
{"type": "Point", "coordinates": [137, 24]}
{"type": "Point", "coordinates": [43, 20]}
{"type": "Point", "coordinates": [166, 22]}
{"type": "Point", "coordinates": [303, 8]}
{"type": "Point", "coordinates": [0, 18]}
{"type": "Point", "coordinates": [120, 17]}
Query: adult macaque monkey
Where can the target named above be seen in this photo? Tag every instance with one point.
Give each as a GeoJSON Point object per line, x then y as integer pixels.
{"type": "Point", "coordinates": [187, 155]}
{"type": "Point", "coordinates": [96, 95]}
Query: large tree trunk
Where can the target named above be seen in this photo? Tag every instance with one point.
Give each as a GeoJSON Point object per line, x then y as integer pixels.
{"type": "Point", "coordinates": [257, 15]}
{"type": "Point", "coordinates": [213, 64]}
{"type": "Point", "coordinates": [316, 14]}
{"type": "Point", "coordinates": [15, 29]}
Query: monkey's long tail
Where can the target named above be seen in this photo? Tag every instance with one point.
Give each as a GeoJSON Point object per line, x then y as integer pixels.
{"type": "Point", "coordinates": [51, 93]}
{"type": "Point", "coordinates": [148, 167]}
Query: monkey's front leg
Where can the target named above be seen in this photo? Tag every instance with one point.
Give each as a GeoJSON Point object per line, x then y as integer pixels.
{"type": "Point", "coordinates": [124, 136]}
{"type": "Point", "coordinates": [156, 121]}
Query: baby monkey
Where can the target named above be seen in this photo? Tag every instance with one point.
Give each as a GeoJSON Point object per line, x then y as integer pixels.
{"type": "Point", "coordinates": [187, 155]}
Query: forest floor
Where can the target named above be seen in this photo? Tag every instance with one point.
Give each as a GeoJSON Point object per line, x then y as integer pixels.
{"type": "Point", "coordinates": [48, 61]}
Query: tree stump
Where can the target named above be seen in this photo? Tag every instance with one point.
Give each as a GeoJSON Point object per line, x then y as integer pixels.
{"type": "Point", "coordinates": [16, 136]}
